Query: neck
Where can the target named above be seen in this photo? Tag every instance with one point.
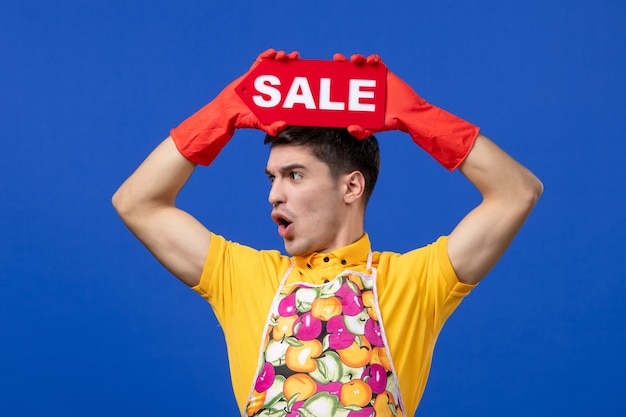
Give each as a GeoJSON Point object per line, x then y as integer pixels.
{"type": "Point", "coordinates": [350, 231]}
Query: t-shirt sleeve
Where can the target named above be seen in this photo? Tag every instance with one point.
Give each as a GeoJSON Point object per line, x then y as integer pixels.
{"type": "Point", "coordinates": [233, 272]}
{"type": "Point", "coordinates": [444, 283]}
{"type": "Point", "coordinates": [422, 283]}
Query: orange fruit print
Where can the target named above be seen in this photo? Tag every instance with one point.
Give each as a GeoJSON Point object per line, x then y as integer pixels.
{"type": "Point", "coordinates": [355, 392]}
{"type": "Point", "coordinates": [326, 308]}
{"type": "Point", "coordinates": [301, 384]}
{"type": "Point", "coordinates": [326, 355]}
{"type": "Point", "coordinates": [302, 358]}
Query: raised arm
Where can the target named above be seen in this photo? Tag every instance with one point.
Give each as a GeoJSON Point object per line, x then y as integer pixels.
{"type": "Point", "coordinates": [509, 192]}
{"type": "Point", "coordinates": [146, 204]}
{"type": "Point", "coordinates": [146, 200]}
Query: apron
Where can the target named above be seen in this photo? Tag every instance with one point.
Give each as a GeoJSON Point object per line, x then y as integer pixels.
{"type": "Point", "coordinates": [325, 353]}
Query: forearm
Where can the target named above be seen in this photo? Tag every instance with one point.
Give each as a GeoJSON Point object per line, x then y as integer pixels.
{"type": "Point", "coordinates": [155, 183]}
{"type": "Point", "coordinates": [498, 176]}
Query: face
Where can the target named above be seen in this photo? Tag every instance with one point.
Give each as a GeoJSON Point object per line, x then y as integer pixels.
{"type": "Point", "coordinates": [307, 201]}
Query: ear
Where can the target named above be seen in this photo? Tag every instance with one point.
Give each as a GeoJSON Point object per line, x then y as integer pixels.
{"type": "Point", "coordinates": [355, 185]}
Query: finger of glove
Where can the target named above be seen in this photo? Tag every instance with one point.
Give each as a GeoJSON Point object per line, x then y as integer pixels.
{"type": "Point", "coordinates": [358, 59]}
{"type": "Point", "coordinates": [283, 56]}
{"type": "Point", "coordinates": [374, 59]}
{"type": "Point", "coordinates": [280, 56]}
{"type": "Point", "coordinates": [269, 53]}
{"type": "Point", "coordinates": [339, 57]}
{"type": "Point", "coordinates": [275, 128]}
{"type": "Point", "coordinates": [359, 133]}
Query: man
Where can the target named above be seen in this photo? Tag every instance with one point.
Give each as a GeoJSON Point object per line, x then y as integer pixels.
{"type": "Point", "coordinates": [335, 329]}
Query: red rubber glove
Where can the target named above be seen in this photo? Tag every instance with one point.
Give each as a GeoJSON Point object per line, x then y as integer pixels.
{"type": "Point", "coordinates": [203, 135]}
{"type": "Point", "coordinates": [446, 137]}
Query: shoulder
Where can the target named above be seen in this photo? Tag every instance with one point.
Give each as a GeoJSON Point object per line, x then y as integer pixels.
{"type": "Point", "coordinates": [426, 265]}
{"type": "Point", "coordinates": [230, 263]}
{"type": "Point", "coordinates": [421, 280]}
{"type": "Point", "coordinates": [412, 262]}
{"type": "Point", "coordinates": [222, 248]}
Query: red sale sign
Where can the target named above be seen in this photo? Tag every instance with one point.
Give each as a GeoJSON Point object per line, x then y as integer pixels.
{"type": "Point", "coordinates": [316, 93]}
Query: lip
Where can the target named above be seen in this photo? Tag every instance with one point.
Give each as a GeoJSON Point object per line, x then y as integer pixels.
{"type": "Point", "coordinates": [284, 222]}
{"type": "Point", "coordinates": [283, 231]}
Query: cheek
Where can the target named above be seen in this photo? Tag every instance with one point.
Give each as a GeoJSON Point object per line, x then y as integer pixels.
{"type": "Point", "coordinates": [319, 204]}
{"type": "Point", "coordinates": [322, 211]}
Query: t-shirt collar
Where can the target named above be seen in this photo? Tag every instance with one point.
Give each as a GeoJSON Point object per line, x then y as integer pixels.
{"type": "Point", "coordinates": [347, 256]}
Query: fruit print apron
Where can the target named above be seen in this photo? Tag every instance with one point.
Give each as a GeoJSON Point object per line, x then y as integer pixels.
{"type": "Point", "coordinates": [325, 353]}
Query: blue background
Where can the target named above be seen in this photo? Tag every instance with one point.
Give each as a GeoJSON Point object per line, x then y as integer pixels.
{"type": "Point", "coordinates": [92, 325]}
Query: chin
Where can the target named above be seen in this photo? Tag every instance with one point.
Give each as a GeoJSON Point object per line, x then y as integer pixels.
{"type": "Point", "coordinates": [295, 249]}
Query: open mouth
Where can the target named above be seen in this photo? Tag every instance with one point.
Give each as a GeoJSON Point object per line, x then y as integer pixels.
{"type": "Point", "coordinates": [284, 224]}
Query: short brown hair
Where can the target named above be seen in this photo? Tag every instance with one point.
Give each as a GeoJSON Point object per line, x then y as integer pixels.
{"type": "Point", "coordinates": [341, 151]}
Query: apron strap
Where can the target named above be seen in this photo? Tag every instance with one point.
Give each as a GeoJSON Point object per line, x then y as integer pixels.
{"type": "Point", "coordinates": [284, 278]}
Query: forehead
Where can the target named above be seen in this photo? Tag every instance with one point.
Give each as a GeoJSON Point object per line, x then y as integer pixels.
{"type": "Point", "coordinates": [284, 155]}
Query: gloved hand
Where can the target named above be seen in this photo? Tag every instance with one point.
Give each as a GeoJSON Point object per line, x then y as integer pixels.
{"type": "Point", "coordinates": [446, 137]}
{"type": "Point", "coordinates": [203, 135]}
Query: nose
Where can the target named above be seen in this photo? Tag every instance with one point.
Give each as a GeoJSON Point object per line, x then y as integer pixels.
{"type": "Point", "coordinates": [276, 195]}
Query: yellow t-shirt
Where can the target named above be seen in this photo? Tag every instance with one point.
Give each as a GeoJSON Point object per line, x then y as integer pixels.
{"type": "Point", "coordinates": [417, 292]}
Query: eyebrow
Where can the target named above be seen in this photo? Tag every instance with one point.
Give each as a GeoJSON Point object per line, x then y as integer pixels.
{"type": "Point", "coordinates": [287, 168]}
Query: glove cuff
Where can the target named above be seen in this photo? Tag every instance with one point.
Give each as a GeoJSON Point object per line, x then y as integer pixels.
{"type": "Point", "coordinates": [446, 137]}
{"type": "Point", "coordinates": [201, 137]}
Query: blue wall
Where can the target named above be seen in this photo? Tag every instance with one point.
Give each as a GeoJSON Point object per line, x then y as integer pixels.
{"type": "Point", "coordinates": [91, 325]}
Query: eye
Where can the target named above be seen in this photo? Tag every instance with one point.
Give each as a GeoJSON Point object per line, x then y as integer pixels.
{"type": "Point", "coordinates": [296, 176]}
{"type": "Point", "coordinates": [270, 178]}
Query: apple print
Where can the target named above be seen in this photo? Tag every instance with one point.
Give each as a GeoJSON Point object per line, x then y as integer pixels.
{"type": "Point", "coordinates": [368, 283]}
{"type": "Point", "coordinates": [350, 297]}
{"type": "Point", "coordinates": [357, 354]}
{"type": "Point", "coordinates": [275, 352]}
{"type": "Point", "coordinates": [321, 404]}
{"type": "Point", "coordinates": [265, 378]}
{"type": "Point", "coordinates": [305, 297]}
{"type": "Point", "coordinates": [332, 387]}
{"type": "Point", "coordinates": [325, 308]}
{"type": "Point", "coordinates": [331, 287]}
{"type": "Point", "coordinates": [392, 384]}
{"type": "Point", "coordinates": [338, 336]}
{"type": "Point", "coordinates": [373, 333]}
{"type": "Point", "coordinates": [275, 392]}
{"type": "Point", "coordinates": [255, 402]}
{"type": "Point", "coordinates": [329, 368]}
{"type": "Point", "coordinates": [270, 413]}
{"type": "Point", "coordinates": [363, 412]}
{"type": "Point", "coordinates": [355, 393]}
{"type": "Point", "coordinates": [282, 326]}
{"type": "Point", "coordinates": [307, 327]}
{"type": "Point", "coordinates": [384, 404]}
{"type": "Point", "coordinates": [299, 387]}
{"type": "Point", "coordinates": [368, 303]}
{"type": "Point", "coordinates": [287, 306]}
{"type": "Point", "coordinates": [350, 373]}
{"type": "Point", "coordinates": [301, 357]}
{"type": "Point", "coordinates": [293, 410]}
{"type": "Point", "coordinates": [356, 324]}
{"type": "Point", "coordinates": [343, 309]}
{"type": "Point", "coordinates": [376, 377]}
